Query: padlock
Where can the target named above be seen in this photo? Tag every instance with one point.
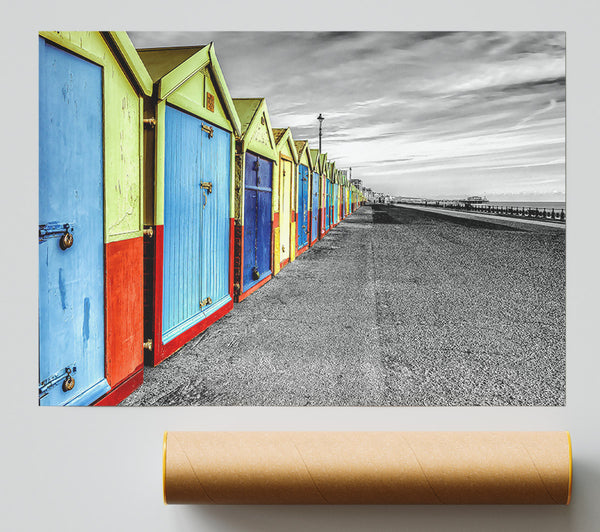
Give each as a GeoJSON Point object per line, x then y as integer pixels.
{"type": "Point", "coordinates": [255, 274]}
{"type": "Point", "coordinates": [68, 383]}
{"type": "Point", "coordinates": [66, 241]}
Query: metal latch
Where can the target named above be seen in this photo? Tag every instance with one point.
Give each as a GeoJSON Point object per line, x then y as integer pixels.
{"type": "Point", "coordinates": [64, 376]}
{"type": "Point", "coordinates": [57, 230]}
{"type": "Point", "coordinates": [208, 129]}
{"type": "Point", "coordinates": [206, 185]}
{"type": "Point", "coordinates": [204, 302]}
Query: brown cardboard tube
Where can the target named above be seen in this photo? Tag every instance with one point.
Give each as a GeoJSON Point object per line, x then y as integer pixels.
{"type": "Point", "coordinates": [367, 467]}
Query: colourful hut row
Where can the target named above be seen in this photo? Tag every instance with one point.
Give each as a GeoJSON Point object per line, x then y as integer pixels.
{"type": "Point", "coordinates": [162, 201]}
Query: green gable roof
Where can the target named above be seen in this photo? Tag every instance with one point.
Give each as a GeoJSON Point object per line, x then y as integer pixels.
{"type": "Point", "coordinates": [171, 67]}
{"type": "Point", "coordinates": [301, 147]}
{"type": "Point", "coordinates": [160, 61]}
{"type": "Point", "coordinates": [247, 109]}
{"type": "Point", "coordinates": [132, 59]}
{"type": "Point", "coordinates": [316, 159]}
{"type": "Point", "coordinates": [283, 135]}
{"type": "Point", "coordinates": [256, 135]}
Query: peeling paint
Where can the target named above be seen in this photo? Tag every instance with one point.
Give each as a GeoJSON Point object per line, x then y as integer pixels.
{"type": "Point", "coordinates": [121, 219]}
{"type": "Point", "coordinates": [61, 288]}
{"type": "Point", "coordinates": [86, 321]}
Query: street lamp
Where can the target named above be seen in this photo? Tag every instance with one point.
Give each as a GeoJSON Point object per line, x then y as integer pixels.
{"type": "Point", "coordinates": [320, 118]}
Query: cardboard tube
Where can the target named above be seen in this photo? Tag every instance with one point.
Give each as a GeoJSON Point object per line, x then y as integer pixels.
{"type": "Point", "coordinates": [367, 467]}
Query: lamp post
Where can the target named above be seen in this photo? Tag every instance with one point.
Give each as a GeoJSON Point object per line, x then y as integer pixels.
{"type": "Point", "coordinates": [320, 118]}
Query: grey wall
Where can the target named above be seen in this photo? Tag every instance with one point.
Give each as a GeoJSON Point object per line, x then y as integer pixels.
{"type": "Point", "coordinates": [100, 469]}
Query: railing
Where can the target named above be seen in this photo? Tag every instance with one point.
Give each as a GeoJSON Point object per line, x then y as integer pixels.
{"type": "Point", "coordinates": [555, 215]}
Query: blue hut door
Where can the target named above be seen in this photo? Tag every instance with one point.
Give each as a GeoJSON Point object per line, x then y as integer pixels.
{"type": "Point", "coordinates": [315, 207]}
{"type": "Point", "coordinates": [182, 275]}
{"type": "Point", "coordinates": [215, 171]}
{"type": "Point", "coordinates": [335, 204]}
{"type": "Point", "coordinates": [71, 286]}
{"type": "Point", "coordinates": [257, 219]}
{"type": "Point", "coordinates": [302, 206]}
{"type": "Point", "coordinates": [196, 221]}
{"type": "Point", "coordinates": [327, 203]}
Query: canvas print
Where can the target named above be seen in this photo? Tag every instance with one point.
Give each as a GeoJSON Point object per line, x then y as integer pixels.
{"type": "Point", "coordinates": [302, 218]}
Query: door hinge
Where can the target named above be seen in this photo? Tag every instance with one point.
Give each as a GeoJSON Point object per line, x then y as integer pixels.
{"type": "Point", "coordinates": [149, 123]}
{"type": "Point", "coordinates": [148, 231]}
{"type": "Point", "coordinates": [147, 345]}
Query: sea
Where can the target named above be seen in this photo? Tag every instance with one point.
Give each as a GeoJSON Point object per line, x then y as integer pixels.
{"type": "Point", "coordinates": [556, 205]}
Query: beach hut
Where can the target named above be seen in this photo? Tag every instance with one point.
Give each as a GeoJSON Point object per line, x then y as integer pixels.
{"type": "Point", "coordinates": [333, 218]}
{"type": "Point", "coordinates": [342, 176]}
{"type": "Point", "coordinates": [341, 194]}
{"type": "Point", "coordinates": [329, 174]}
{"type": "Point", "coordinates": [189, 201]}
{"type": "Point", "coordinates": [91, 88]}
{"type": "Point", "coordinates": [345, 190]}
{"type": "Point", "coordinates": [348, 199]}
{"type": "Point", "coordinates": [324, 202]}
{"type": "Point", "coordinates": [315, 216]}
{"type": "Point", "coordinates": [256, 156]}
{"type": "Point", "coordinates": [285, 224]}
{"type": "Point", "coordinates": [322, 194]}
{"type": "Point", "coordinates": [303, 199]}
{"type": "Point", "coordinates": [345, 196]}
{"type": "Point", "coordinates": [340, 191]}
{"type": "Point", "coordinates": [327, 196]}
{"type": "Point", "coordinates": [336, 197]}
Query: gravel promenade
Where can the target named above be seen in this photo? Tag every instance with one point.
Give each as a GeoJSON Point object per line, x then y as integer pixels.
{"type": "Point", "coordinates": [395, 306]}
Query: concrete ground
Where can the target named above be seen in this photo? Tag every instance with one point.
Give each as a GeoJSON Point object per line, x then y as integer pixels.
{"type": "Point", "coordinates": [395, 306]}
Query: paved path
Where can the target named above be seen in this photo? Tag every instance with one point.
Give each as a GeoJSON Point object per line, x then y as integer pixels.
{"type": "Point", "coordinates": [394, 306]}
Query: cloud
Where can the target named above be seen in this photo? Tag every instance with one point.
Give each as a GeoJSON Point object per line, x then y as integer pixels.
{"type": "Point", "coordinates": [417, 110]}
{"type": "Point", "coordinates": [551, 106]}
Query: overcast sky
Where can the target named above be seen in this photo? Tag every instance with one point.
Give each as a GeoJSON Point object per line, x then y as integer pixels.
{"type": "Point", "coordinates": [434, 115]}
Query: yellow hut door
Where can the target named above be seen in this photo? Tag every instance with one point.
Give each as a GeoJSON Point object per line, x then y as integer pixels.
{"type": "Point", "coordinates": [285, 193]}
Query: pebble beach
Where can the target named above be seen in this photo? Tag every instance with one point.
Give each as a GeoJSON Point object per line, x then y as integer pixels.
{"type": "Point", "coordinates": [394, 307]}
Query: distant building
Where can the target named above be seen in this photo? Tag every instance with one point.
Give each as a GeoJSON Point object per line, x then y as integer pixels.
{"type": "Point", "coordinates": [369, 195]}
